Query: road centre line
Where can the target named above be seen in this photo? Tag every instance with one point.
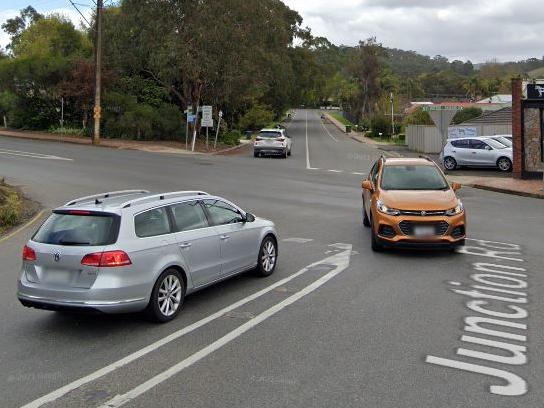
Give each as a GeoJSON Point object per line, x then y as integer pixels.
{"type": "Point", "coordinates": [60, 392]}
{"type": "Point", "coordinates": [33, 155]}
{"type": "Point", "coordinates": [340, 262]}
{"type": "Point", "coordinates": [308, 167]}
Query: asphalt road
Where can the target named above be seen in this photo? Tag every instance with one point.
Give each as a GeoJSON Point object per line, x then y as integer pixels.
{"type": "Point", "coordinates": [351, 329]}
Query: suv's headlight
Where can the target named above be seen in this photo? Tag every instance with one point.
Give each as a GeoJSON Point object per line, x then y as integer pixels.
{"type": "Point", "coordinates": [385, 209]}
{"type": "Point", "coordinates": [457, 210]}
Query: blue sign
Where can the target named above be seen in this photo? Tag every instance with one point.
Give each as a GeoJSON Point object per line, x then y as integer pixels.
{"type": "Point", "coordinates": [191, 118]}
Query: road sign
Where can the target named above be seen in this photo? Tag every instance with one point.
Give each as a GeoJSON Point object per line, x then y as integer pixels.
{"type": "Point", "coordinates": [207, 116]}
{"type": "Point", "coordinates": [191, 118]}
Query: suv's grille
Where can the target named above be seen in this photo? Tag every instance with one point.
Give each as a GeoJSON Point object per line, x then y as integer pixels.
{"type": "Point", "coordinates": [422, 213]}
{"type": "Point", "coordinates": [407, 227]}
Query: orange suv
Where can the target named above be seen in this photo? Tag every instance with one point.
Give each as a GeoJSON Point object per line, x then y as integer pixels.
{"type": "Point", "coordinates": [408, 203]}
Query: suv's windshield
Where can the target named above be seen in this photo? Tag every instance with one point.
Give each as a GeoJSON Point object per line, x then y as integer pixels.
{"type": "Point", "coordinates": [413, 177]}
{"type": "Point", "coordinates": [78, 228]}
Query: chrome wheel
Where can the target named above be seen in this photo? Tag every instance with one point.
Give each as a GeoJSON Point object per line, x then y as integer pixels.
{"type": "Point", "coordinates": [169, 297]}
{"type": "Point", "coordinates": [504, 164]}
{"type": "Point", "coordinates": [268, 256]}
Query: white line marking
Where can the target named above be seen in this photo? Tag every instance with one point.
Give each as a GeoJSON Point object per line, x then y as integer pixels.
{"type": "Point", "coordinates": [336, 171]}
{"type": "Point", "coordinates": [329, 133]}
{"type": "Point", "coordinates": [307, 148]}
{"type": "Point", "coordinates": [54, 395]}
{"type": "Point", "coordinates": [298, 240]}
{"type": "Point", "coordinates": [33, 155]}
{"type": "Point", "coordinates": [340, 262]}
{"type": "Point", "coordinates": [357, 173]}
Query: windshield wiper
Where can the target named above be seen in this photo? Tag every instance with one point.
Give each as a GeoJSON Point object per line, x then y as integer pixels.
{"type": "Point", "coordinates": [63, 242]}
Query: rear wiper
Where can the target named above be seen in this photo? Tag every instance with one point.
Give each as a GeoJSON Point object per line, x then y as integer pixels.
{"type": "Point", "coordinates": [62, 242]}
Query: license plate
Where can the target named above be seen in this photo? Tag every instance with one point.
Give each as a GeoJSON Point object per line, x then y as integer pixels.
{"type": "Point", "coordinates": [424, 230]}
{"type": "Point", "coordinates": [58, 277]}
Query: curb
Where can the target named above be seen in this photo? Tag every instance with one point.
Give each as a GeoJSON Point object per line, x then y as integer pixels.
{"type": "Point", "coordinates": [24, 226]}
{"type": "Point", "coordinates": [83, 142]}
{"type": "Point", "coordinates": [506, 191]}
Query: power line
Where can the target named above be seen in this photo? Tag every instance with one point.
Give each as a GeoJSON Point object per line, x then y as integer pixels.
{"type": "Point", "coordinates": [75, 5]}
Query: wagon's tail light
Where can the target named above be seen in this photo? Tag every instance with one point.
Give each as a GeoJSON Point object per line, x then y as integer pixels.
{"type": "Point", "coordinates": [28, 254]}
{"type": "Point", "coordinates": [108, 259]}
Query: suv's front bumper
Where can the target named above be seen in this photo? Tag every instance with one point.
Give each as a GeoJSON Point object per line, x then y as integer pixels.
{"type": "Point", "coordinates": [448, 239]}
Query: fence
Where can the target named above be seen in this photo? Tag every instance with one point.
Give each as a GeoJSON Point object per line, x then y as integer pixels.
{"type": "Point", "coordinates": [426, 139]}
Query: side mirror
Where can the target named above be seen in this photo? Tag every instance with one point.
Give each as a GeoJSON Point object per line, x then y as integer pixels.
{"type": "Point", "coordinates": [249, 217]}
{"type": "Point", "coordinates": [488, 148]}
{"type": "Point", "coordinates": [367, 185]}
{"type": "Point", "coordinates": [456, 186]}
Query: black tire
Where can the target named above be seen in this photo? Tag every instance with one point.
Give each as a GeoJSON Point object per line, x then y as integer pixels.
{"type": "Point", "coordinates": [450, 163]}
{"type": "Point", "coordinates": [289, 152]}
{"type": "Point", "coordinates": [262, 269]}
{"type": "Point", "coordinates": [504, 164]}
{"type": "Point", "coordinates": [153, 311]}
{"type": "Point", "coordinates": [375, 243]}
{"type": "Point", "coordinates": [256, 154]}
{"type": "Point", "coordinates": [366, 221]}
{"type": "Point", "coordinates": [285, 154]}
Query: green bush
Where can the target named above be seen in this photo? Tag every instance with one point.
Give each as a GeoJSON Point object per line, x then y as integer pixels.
{"type": "Point", "coordinates": [380, 124]}
{"type": "Point", "coordinates": [418, 117]}
{"type": "Point", "coordinates": [231, 138]}
{"type": "Point", "coordinates": [10, 207]}
{"type": "Point", "coordinates": [257, 118]}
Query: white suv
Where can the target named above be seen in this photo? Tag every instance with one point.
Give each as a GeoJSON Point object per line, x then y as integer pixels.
{"type": "Point", "coordinates": [272, 141]}
{"type": "Point", "coordinates": [476, 152]}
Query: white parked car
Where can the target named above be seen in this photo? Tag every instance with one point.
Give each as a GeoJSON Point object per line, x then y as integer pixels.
{"type": "Point", "coordinates": [476, 152]}
{"type": "Point", "coordinates": [272, 141]}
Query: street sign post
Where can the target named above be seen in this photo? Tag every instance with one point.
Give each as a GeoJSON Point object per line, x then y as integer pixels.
{"type": "Point", "coordinates": [207, 120]}
{"type": "Point", "coordinates": [217, 130]}
{"type": "Point", "coordinates": [442, 117]}
{"type": "Point", "coordinates": [188, 112]}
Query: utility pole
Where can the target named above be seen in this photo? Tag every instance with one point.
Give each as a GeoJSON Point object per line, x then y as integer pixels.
{"type": "Point", "coordinates": [392, 115]}
{"type": "Point", "coordinates": [98, 72]}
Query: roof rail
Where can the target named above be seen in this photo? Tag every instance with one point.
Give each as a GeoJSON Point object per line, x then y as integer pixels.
{"type": "Point", "coordinates": [162, 196]}
{"type": "Point", "coordinates": [106, 195]}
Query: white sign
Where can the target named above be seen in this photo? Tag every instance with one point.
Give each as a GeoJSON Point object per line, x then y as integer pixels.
{"type": "Point", "coordinates": [207, 116]}
{"type": "Point", "coordinates": [457, 132]}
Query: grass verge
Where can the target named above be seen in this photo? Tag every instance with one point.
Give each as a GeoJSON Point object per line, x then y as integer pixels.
{"type": "Point", "coordinates": [14, 207]}
{"type": "Point", "coordinates": [338, 116]}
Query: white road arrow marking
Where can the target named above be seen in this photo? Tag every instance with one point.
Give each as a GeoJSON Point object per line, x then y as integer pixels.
{"type": "Point", "coordinates": [339, 261]}
{"type": "Point", "coordinates": [33, 155]}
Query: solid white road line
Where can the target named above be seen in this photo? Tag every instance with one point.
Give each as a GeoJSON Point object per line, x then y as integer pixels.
{"type": "Point", "coordinates": [340, 262]}
{"type": "Point", "coordinates": [307, 148]}
{"type": "Point", "coordinates": [54, 395]}
{"type": "Point", "coordinates": [336, 171]}
{"type": "Point", "coordinates": [357, 173]}
{"type": "Point", "coordinates": [33, 155]}
{"type": "Point", "coordinates": [329, 133]}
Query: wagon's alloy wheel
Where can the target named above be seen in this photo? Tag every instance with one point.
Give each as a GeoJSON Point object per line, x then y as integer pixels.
{"type": "Point", "coordinates": [268, 257]}
{"type": "Point", "coordinates": [169, 295]}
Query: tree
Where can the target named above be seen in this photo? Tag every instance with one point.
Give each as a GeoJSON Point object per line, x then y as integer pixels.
{"type": "Point", "coordinates": [367, 68]}
{"type": "Point", "coordinates": [466, 114]}
{"type": "Point", "coordinates": [15, 26]}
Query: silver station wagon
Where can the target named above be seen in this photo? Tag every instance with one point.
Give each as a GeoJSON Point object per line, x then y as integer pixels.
{"type": "Point", "coordinates": [130, 251]}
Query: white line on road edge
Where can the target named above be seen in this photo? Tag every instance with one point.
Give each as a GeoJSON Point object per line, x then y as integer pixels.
{"type": "Point", "coordinates": [308, 167]}
{"type": "Point", "coordinates": [340, 262]}
{"type": "Point", "coordinates": [33, 155]}
{"type": "Point", "coordinates": [336, 171]}
{"type": "Point", "coordinates": [329, 133]}
{"type": "Point", "coordinates": [54, 395]}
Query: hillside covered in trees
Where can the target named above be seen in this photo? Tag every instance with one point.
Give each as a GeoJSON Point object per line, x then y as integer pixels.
{"type": "Point", "coordinates": [252, 59]}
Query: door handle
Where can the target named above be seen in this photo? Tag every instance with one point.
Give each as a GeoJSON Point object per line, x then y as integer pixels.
{"type": "Point", "coordinates": [474, 152]}
{"type": "Point", "coordinates": [185, 245]}
{"type": "Point", "coordinates": [224, 237]}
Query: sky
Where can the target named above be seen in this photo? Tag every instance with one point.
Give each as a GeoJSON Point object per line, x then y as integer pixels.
{"type": "Point", "coordinates": [479, 30]}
